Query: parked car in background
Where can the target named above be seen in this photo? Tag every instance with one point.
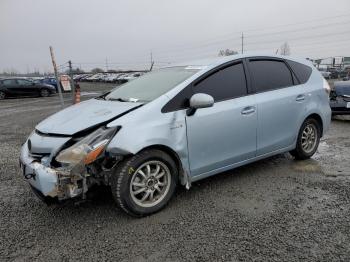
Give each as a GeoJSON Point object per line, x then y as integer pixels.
{"type": "Point", "coordinates": [132, 76]}
{"type": "Point", "coordinates": [83, 77]}
{"type": "Point", "coordinates": [178, 125]}
{"type": "Point", "coordinates": [338, 73]}
{"type": "Point", "coordinates": [340, 98]}
{"type": "Point", "coordinates": [50, 81]}
{"type": "Point", "coordinates": [11, 87]}
{"type": "Point", "coordinates": [325, 74]}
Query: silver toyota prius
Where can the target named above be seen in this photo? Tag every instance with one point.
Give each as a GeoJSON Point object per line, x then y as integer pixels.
{"type": "Point", "coordinates": [178, 125]}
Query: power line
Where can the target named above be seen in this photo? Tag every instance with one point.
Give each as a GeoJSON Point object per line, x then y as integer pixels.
{"type": "Point", "coordinates": [302, 37]}
{"type": "Point", "coordinates": [228, 37]}
{"type": "Point", "coordinates": [299, 29]}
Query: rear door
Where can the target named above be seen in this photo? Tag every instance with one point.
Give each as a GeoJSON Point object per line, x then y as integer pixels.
{"type": "Point", "coordinates": [280, 103]}
{"type": "Point", "coordinates": [224, 134]}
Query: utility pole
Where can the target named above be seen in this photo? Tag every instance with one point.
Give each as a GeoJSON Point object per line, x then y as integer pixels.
{"type": "Point", "coordinates": [71, 79]}
{"type": "Point", "coordinates": [152, 62]}
{"type": "Point", "coordinates": [56, 75]}
{"type": "Point", "coordinates": [242, 37]}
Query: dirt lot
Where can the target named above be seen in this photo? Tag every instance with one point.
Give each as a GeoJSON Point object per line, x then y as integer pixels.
{"type": "Point", "coordinates": [277, 209]}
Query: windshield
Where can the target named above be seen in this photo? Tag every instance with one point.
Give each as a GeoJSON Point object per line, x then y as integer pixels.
{"type": "Point", "coordinates": [151, 85]}
{"type": "Point", "coordinates": [343, 90]}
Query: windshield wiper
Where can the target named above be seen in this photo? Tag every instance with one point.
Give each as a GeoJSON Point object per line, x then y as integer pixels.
{"type": "Point", "coordinates": [118, 99]}
{"type": "Point", "coordinates": [102, 97]}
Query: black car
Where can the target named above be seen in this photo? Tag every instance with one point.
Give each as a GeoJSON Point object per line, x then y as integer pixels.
{"type": "Point", "coordinates": [340, 98]}
{"type": "Point", "coordinates": [22, 87]}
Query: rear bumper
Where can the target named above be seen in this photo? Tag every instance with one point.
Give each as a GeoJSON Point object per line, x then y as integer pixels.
{"type": "Point", "coordinates": [50, 182]}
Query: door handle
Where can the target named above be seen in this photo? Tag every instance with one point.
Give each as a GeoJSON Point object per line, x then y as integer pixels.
{"type": "Point", "coordinates": [300, 98]}
{"type": "Point", "coordinates": [248, 110]}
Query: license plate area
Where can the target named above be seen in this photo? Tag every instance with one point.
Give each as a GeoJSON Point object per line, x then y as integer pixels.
{"type": "Point", "coordinates": [348, 105]}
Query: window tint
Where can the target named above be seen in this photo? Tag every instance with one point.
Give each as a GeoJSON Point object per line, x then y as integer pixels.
{"type": "Point", "coordinates": [224, 84]}
{"type": "Point", "coordinates": [9, 82]}
{"type": "Point", "coordinates": [180, 101]}
{"type": "Point", "coordinates": [270, 74]}
{"type": "Point", "coordinates": [302, 72]}
{"type": "Point", "coordinates": [24, 82]}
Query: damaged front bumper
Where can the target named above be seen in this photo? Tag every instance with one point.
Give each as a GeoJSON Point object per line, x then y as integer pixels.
{"type": "Point", "coordinates": [48, 182]}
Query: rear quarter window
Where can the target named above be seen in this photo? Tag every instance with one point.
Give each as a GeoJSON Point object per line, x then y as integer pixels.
{"type": "Point", "coordinates": [301, 71]}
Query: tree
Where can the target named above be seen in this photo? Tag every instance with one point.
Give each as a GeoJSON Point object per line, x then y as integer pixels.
{"type": "Point", "coordinates": [227, 52]}
{"type": "Point", "coordinates": [285, 49]}
{"type": "Point", "coordinates": [96, 70]}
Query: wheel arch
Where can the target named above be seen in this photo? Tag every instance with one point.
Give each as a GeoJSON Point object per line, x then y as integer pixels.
{"type": "Point", "coordinates": [318, 118]}
{"type": "Point", "coordinates": [183, 176]}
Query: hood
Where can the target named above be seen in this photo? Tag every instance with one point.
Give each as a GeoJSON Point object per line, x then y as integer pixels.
{"type": "Point", "coordinates": [84, 115]}
{"type": "Point", "coordinates": [46, 85]}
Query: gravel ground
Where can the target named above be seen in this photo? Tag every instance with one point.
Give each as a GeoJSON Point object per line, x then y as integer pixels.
{"type": "Point", "coordinates": [277, 209]}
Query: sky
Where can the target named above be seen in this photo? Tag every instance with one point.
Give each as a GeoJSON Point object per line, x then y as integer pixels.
{"type": "Point", "coordinates": [122, 34]}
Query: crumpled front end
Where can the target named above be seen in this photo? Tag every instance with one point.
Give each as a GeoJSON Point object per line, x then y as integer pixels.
{"type": "Point", "coordinates": [62, 167]}
{"type": "Point", "coordinates": [60, 183]}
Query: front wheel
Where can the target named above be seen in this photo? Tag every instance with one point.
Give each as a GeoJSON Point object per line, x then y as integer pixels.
{"type": "Point", "coordinates": [44, 93]}
{"type": "Point", "coordinates": [308, 139]}
{"type": "Point", "coordinates": [2, 95]}
{"type": "Point", "coordinates": [144, 183]}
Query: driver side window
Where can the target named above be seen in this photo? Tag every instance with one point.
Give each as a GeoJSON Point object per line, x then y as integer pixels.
{"type": "Point", "coordinates": [225, 84]}
{"type": "Point", "coordinates": [23, 82]}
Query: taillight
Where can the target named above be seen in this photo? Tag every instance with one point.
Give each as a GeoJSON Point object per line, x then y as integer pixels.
{"type": "Point", "coordinates": [326, 86]}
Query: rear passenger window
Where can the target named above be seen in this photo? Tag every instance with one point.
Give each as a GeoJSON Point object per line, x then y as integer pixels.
{"type": "Point", "coordinates": [227, 83]}
{"type": "Point", "coordinates": [270, 74]}
{"type": "Point", "coordinates": [301, 71]}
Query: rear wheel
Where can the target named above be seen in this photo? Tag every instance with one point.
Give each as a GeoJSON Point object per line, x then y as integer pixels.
{"type": "Point", "coordinates": [2, 95]}
{"type": "Point", "coordinates": [144, 183]}
{"type": "Point", "coordinates": [44, 93]}
{"type": "Point", "coordinates": [308, 139]}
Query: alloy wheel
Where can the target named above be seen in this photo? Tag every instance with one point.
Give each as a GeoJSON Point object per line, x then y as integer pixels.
{"type": "Point", "coordinates": [309, 138]}
{"type": "Point", "coordinates": [44, 93]}
{"type": "Point", "coordinates": [150, 183]}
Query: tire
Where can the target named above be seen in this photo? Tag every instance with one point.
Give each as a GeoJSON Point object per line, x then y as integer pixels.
{"type": "Point", "coordinates": [304, 148]}
{"type": "Point", "coordinates": [44, 93]}
{"type": "Point", "coordinates": [128, 180]}
{"type": "Point", "coordinates": [2, 95]}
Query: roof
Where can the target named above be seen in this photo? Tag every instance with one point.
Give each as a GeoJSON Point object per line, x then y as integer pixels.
{"type": "Point", "coordinates": [214, 61]}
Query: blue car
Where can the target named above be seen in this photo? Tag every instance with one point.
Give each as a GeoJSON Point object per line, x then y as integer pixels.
{"type": "Point", "coordinates": [178, 125]}
{"type": "Point", "coordinates": [50, 81]}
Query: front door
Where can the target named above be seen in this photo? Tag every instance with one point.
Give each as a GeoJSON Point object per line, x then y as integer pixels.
{"type": "Point", "coordinates": [27, 87]}
{"type": "Point", "coordinates": [11, 86]}
{"type": "Point", "coordinates": [224, 134]}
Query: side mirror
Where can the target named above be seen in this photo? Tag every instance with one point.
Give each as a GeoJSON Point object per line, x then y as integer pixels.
{"type": "Point", "coordinates": [200, 100]}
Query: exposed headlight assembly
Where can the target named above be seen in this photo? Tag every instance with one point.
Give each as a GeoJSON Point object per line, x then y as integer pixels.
{"type": "Point", "coordinates": [89, 148]}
